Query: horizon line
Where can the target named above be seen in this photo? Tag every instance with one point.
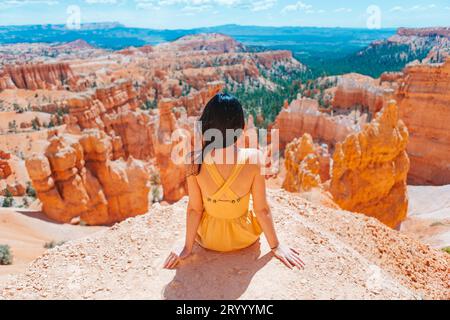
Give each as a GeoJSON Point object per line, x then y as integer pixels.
{"type": "Point", "coordinates": [219, 25]}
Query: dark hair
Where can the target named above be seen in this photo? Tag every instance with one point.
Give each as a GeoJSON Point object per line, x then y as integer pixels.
{"type": "Point", "coordinates": [223, 112]}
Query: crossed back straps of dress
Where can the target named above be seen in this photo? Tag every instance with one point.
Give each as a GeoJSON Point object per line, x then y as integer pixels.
{"type": "Point", "coordinates": [224, 185]}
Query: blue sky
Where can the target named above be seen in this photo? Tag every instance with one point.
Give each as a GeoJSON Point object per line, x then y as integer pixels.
{"type": "Point", "coordinates": [173, 14]}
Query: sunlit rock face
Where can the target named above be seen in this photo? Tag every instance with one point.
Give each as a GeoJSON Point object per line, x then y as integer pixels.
{"type": "Point", "coordinates": [422, 92]}
{"type": "Point", "coordinates": [424, 104]}
{"type": "Point", "coordinates": [307, 165]}
{"type": "Point", "coordinates": [76, 177]}
{"type": "Point", "coordinates": [370, 169]}
{"type": "Point", "coordinates": [5, 168]}
{"type": "Point", "coordinates": [52, 76]}
{"type": "Point", "coordinates": [358, 90]}
{"type": "Point", "coordinates": [303, 116]}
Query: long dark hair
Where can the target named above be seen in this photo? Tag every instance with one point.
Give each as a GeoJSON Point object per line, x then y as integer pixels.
{"type": "Point", "coordinates": [223, 112]}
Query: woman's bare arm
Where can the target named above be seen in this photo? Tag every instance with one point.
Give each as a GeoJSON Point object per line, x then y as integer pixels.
{"type": "Point", "coordinates": [194, 211]}
{"type": "Point", "coordinates": [289, 256]}
{"type": "Point", "coordinates": [193, 217]}
{"type": "Point", "coordinates": [262, 209]}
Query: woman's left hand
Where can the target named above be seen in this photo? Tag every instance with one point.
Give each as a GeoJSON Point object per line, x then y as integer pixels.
{"type": "Point", "coordinates": [175, 257]}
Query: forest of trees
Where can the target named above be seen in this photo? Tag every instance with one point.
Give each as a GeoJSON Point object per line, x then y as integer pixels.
{"type": "Point", "coordinates": [372, 61]}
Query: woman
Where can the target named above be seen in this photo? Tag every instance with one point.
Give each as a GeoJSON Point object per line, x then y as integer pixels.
{"type": "Point", "coordinates": [218, 215]}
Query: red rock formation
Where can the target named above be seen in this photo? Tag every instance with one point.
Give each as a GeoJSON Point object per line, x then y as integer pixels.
{"type": "Point", "coordinates": [211, 42]}
{"type": "Point", "coordinates": [370, 169]}
{"type": "Point", "coordinates": [424, 100]}
{"type": "Point", "coordinates": [5, 168]}
{"type": "Point", "coordinates": [357, 90]}
{"type": "Point", "coordinates": [423, 94]}
{"type": "Point", "coordinates": [303, 116]}
{"type": "Point", "coordinates": [38, 76]}
{"type": "Point", "coordinates": [79, 44]}
{"type": "Point", "coordinates": [268, 58]}
{"type": "Point", "coordinates": [196, 101]}
{"type": "Point", "coordinates": [424, 32]}
{"type": "Point", "coordinates": [76, 177]}
{"type": "Point", "coordinates": [89, 108]}
{"type": "Point", "coordinates": [172, 175]}
{"type": "Point", "coordinates": [9, 182]}
{"type": "Point", "coordinates": [307, 165]}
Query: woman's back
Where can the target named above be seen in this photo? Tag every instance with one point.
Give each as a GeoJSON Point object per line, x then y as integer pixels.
{"type": "Point", "coordinates": [241, 184]}
{"type": "Point", "coordinates": [227, 223]}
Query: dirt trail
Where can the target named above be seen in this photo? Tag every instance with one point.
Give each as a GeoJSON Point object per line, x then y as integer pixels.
{"type": "Point", "coordinates": [347, 256]}
{"type": "Point", "coordinates": [26, 232]}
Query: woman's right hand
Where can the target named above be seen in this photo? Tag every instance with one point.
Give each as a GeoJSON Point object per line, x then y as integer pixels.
{"type": "Point", "coordinates": [175, 257]}
{"type": "Point", "coordinates": [289, 256]}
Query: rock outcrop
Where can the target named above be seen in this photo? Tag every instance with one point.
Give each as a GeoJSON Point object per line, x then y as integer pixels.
{"type": "Point", "coordinates": [303, 116]}
{"type": "Point", "coordinates": [89, 108]}
{"type": "Point", "coordinates": [5, 168]}
{"type": "Point", "coordinates": [78, 178]}
{"type": "Point", "coordinates": [424, 32]}
{"type": "Point", "coordinates": [347, 256]}
{"type": "Point", "coordinates": [173, 175]}
{"type": "Point", "coordinates": [307, 165]}
{"type": "Point", "coordinates": [424, 103]}
{"type": "Point", "coordinates": [422, 92]}
{"type": "Point", "coordinates": [211, 42]}
{"type": "Point", "coordinates": [358, 90]}
{"type": "Point", "coordinates": [370, 169]}
{"type": "Point", "coordinates": [54, 76]}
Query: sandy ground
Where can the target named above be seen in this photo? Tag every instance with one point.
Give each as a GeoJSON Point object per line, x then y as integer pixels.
{"type": "Point", "coordinates": [24, 144]}
{"type": "Point", "coordinates": [33, 97]}
{"type": "Point", "coordinates": [429, 215]}
{"type": "Point", "coordinates": [347, 256]}
{"type": "Point", "coordinates": [27, 231]}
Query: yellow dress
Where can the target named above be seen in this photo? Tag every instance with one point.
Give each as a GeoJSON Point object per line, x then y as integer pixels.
{"type": "Point", "coordinates": [227, 223]}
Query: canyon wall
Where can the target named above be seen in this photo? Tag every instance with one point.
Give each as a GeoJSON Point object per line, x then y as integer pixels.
{"type": "Point", "coordinates": [78, 178]}
{"type": "Point", "coordinates": [424, 104]}
{"type": "Point", "coordinates": [370, 169]}
{"type": "Point", "coordinates": [54, 76]}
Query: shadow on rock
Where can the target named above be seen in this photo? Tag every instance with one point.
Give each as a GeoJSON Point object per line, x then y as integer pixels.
{"type": "Point", "coordinates": [215, 275]}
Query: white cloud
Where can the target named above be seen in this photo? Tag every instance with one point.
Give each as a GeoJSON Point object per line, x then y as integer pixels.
{"type": "Point", "coordinates": [396, 8]}
{"type": "Point", "coordinates": [16, 3]}
{"type": "Point", "coordinates": [101, 1]}
{"type": "Point", "coordinates": [202, 5]}
{"type": "Point", "coordinates": [413, 8]}
{"type": "Point", "coordinates": [147, 4]}
{"type": "Point", "coordinates": [343, 10]}
{"type": "Point", "coordinates": [299, 6]}
{"type": "Point", "coordinates": [262, 5]}
{"type": "Point", "coordinates": [195, 9]}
